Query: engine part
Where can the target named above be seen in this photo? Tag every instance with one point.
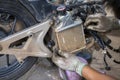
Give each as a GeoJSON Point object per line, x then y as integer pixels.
{"type": "Point", "coordinates": [70, 35]}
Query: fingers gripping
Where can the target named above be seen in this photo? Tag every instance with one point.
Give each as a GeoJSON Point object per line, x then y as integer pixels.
{"type": "Point", "coordinates": [57, 59]}
{"type": "Point", "coordinates": [93, 22]}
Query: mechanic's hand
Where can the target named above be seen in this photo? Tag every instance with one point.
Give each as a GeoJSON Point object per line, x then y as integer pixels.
{"type": "Point", "coordinates": [101, 23]}
{"type": "Point", "coordinates": [71, 63]}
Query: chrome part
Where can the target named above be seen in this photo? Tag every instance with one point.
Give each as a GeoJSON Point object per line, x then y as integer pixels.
{"type": "Point", "coordinates": [76, 23]}
{"type": "Point", "coordinates": [65, 22]}
{"type": "Point", "coordinates": [34, 46]}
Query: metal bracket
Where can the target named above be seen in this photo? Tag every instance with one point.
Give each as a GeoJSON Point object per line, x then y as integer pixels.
{"type": "Point", "coordinates": [34, 45]}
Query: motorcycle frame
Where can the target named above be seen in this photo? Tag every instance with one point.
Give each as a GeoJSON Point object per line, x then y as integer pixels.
{"type": "Point", "coordinates": [34, 45]}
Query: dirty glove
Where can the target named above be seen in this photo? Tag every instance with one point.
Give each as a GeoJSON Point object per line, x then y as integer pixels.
{"type": "Point", "coordinates": [71, 63]}
{"type": "Point", "coordinates": [101, 23]}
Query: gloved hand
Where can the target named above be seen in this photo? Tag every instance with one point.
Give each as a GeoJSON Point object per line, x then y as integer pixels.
{"type": "Point", "coordinates": [71, 63]}
{"type": "Point", "coordinates": [101, 23]}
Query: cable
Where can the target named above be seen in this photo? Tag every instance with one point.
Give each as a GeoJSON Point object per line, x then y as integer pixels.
{"type": "Point", "coordinates": [106, 64]}
{"type": "Point", "coordinates": [111, 48]}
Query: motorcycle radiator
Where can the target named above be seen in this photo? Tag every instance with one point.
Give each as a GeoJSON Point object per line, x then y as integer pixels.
{"type": "Point", "coordinates": [71, 38]}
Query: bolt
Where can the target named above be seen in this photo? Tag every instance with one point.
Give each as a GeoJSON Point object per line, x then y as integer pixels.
{"type": "Point", "coordinates": [51, 22]}
{"type": "Point", "coordinates": [30, 34]}
{"type": "Point", "coordinates": [51, 43]}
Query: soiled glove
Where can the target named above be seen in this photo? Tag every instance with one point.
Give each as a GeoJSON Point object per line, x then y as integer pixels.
{"type": "Point", "coordinates": [71, 63]}
{"type": "Point", "coordinates": [101, 23]}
